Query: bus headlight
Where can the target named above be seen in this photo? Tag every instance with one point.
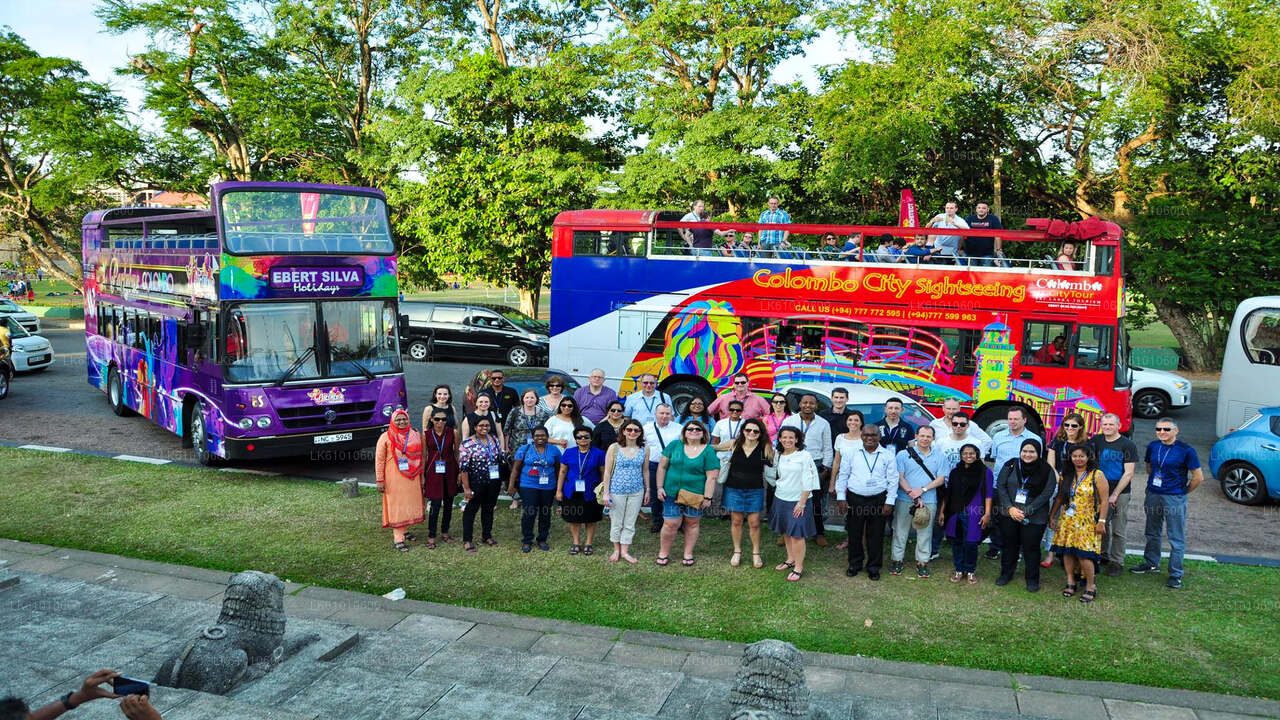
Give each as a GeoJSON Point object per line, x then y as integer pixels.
{"type": "Point", "coordinates": [264, 422]}
{"type": "Point", "coordinates": [245, 423]}
{"type": "Point", "coordinates": [387, 410]}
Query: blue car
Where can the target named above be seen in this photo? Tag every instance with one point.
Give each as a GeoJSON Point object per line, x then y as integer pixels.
{"type": "Point", "coordinates": [1247, 461]}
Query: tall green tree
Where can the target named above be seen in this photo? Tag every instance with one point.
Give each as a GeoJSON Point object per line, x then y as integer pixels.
{"type": "Point", "coordinates": [63, 139]}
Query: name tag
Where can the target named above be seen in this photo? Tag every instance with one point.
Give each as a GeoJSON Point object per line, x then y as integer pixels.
{"type": "Point", "coordinates": [403, 464]}
{"type": "Point", "coordinates": [1157, 481]}
{"type": "Point", "coordinates": [1071, 511]}
{"type": "Point", "coordinates": [440, 467]}
{"type": "Point", "coordinates": [1021, 497]}
{"type": "Point", "coordinates": [580, 486]}
{"type": "Point", "coordinates": [493, 472]}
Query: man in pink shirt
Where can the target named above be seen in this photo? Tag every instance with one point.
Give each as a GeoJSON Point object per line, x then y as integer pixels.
{"type": "Point", "coordinates": [753, 406]}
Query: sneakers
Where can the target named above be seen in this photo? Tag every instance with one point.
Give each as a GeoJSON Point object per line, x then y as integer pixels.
{"type": "Point", "coordinates": [1174, 583]}
{"type": "Point", "coordinates": [1144, 569]}
{"type": "Point", "coordinates": [895, 568]}
{"type": "Point", "coordinates": [922, 571]}
{"type": "Point", "coordinates": [1114, 570]}
{"type": "Point", "coordinates": [992, 554]}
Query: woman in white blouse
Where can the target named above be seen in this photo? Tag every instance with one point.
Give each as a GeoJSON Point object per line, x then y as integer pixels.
{"type": "Point", "coordinates": [791, 516]}
{"type": "Point", "coordinates": [560, 426]}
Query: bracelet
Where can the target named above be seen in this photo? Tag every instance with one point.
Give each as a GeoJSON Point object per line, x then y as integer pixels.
{"type": "Point", "coordinates": [66, 701]}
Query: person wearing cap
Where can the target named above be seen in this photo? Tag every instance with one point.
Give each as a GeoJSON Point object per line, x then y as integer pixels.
{"type": "Point", "coordinates": [398, 470]}
{"type": "Point", "coordinates": [921, 470]}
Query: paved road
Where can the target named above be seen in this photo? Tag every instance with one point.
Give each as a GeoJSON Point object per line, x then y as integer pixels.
{"type": "Point", "coordinates": [59, 408]}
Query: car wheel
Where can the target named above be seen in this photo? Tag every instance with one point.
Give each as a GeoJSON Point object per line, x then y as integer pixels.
{"type": "Point", "coordinates": [1150, 404]}
{"type": "Point", "coordinates": [115, 394]}
{"type": "Point", "coordinates": [418, 351]}
{"type": "Point", "coordinates": [519, 356]}
{"type": "Point", "coordinates": [200, 436]}
{"type": "Point", "coordinates": [4, 383]}
{"type": "Point", "coordinates": [682, 392]}
{"type": "Point", "coordinates": [1242, 483]}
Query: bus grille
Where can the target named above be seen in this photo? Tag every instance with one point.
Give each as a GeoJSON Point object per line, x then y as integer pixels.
{"type": "Point", "coordinates": [314, 415]}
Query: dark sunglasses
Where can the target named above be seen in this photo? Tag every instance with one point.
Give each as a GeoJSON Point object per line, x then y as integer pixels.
{"type": "Point", "coordinates": [959, 424]}
{"type": "Point", "coordinates": [751, 430]}
{"type": "Point", "coordinates": [581, 437]}
{"type": "Point", "coordinates": [779, 402]}
{"type": "Point", "coordinates": [1070, 424]}
{"type": "Point", "coordinates": [438, 419]}
{"type": "Point", "coordinates": [615, 409]}
{"type": "Point", "coordinates": [694, 429]}
{"type": "Point", "coordinates": [565, 404]}
{"type": "Point", "coordinates": [1160, 429]}
{"type": "Point", "coordinates": [551, 385]}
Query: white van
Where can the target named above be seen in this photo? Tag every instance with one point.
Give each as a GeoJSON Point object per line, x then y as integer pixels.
{"type": "Point", "coordinates": [1250, 364]}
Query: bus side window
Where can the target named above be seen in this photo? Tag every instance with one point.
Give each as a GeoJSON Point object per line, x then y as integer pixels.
{"type": "Point", "coordinates": [1261, 335]}
{"type": "Point", "coordinates": [587, 242]}
{"type": "Point", "coordinates": [1045, 343]}
{"type": "Point", "coordinates": [1093, 347]}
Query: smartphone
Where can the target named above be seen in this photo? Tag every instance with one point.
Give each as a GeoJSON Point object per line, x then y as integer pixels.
{"type": "Point", "coordinates": [122, 685]}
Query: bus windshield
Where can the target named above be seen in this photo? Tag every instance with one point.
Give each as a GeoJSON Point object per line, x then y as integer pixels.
{"type": "Point", "coordinates": [362, 337]}
{"type": "Point", "coordinates": [275, 342]}
{"type": "Point", "coordinates": [277, 222]}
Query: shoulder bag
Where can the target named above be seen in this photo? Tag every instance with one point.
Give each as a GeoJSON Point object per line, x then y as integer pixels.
{"type": "Point", "coordinates": [604, 483]}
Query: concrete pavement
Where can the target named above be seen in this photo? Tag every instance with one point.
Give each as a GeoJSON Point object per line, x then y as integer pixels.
{"type": "Point", "coordinates": [71, 612]}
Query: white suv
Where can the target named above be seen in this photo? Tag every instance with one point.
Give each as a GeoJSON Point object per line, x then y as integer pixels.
{"type": "Point", "coordinates": [1156, 392]}
{"type": "Point", "coordinates": [30, 352]}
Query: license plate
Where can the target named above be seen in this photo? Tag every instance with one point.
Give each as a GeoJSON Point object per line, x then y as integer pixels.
{"type": "Point", "coordinates": [40, 358]}
{"type": "Point", "coordinates": [336, 437]}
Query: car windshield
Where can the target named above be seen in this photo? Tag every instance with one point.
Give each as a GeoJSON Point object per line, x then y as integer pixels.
{"type": "Point", "coordinates": [273, 222]}
{"type": "Point", "coordinates": [15, 330]}
{"type": "Point", "coordinates": [523, 321]}
{"type": "Point", "coordinates": [362, 333]}
{"type": "Point", "coordinates": [10, 306]}
{"type": "Point", "coordinates": [264, 341]}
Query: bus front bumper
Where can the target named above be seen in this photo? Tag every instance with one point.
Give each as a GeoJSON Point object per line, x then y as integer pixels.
{"type": "Point", "coordinates": [318, 446]}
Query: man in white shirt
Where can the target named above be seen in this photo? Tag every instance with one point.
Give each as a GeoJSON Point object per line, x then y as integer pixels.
{"type": "Point", "coordinates": [642, 405]}
{"type": "Point", "coordinates": [942, 426]}
{"type": "Point", "coordinates": [817, 440]}
{"type": "Point", "coordinates": [753, 406]}
{"type": "Point", "coordinates": [962, 432]}
{"type": "Point", "coordinates": [657, 435]}
{"type": "Point", "coordinates": [947, 246]}
{"type": "Point", "coordinates": [863, 483]}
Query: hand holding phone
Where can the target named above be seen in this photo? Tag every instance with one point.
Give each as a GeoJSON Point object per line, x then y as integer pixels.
{"type": "Point", "coordinates": [122, 685]}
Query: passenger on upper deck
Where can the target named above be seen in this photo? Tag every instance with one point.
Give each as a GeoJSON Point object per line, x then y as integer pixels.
{"type": "Point", "coordinates": [746, 247]}
{"type": "Point", "coordinates": [829, 250]}
{"type": "Point", "coordinates": [947, 246]}
{"type": "Point", "coordinates": [1066, 259]}
{"type": "Point", "coordinates": [919, 252]}
{"type": "Point", "coordinates": [982, 250]}
{"type": "Point", "coordinates": [852, 249]}
{"type": "Point", "coordinates": [774, 239]}
{"type": "Point", "coordinates": [699, 241]}
{"type": "Point", "coordinates": [891, 249]}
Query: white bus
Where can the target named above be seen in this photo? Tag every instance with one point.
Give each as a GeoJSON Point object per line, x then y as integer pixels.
{"type": "Point", "coordinates": [1251, 363]}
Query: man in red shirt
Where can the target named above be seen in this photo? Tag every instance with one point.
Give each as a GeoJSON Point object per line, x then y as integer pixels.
{"type": "Point", "coordinates": [1055, 353]}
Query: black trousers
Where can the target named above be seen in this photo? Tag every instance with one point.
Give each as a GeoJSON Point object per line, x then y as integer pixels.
{"type": "Point", "coordinates": [655, 503]}
{"type": "Point", "coordinates": [1020, 539]}
{"type": "Point", "coordinates": [484, 498]}
{"type": "Point", "coordinates": [817, 503]}
{"type": "Point", "coordinates": [445, 519]}
{"type": "Point", "coordinates": [536, 504]}
{"type": "Point", "coordinates": [865, 524]}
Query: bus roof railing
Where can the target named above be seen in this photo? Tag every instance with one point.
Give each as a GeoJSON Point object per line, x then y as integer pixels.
{"type": "Point", "coordinates": [720, 252]}
{"type": "Point", "coordinates": [1092, 230]}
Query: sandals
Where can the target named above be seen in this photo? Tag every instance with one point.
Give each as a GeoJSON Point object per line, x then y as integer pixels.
{"type": "Point", "coordinates": [757, 561]}
{"type": "Point", "coordinates": [575, 549]}
{"type": "Point", "coordinates": [588, 550]}
{"type": "Point", "coordinates": [446, 539]}
{"type": "Point", "coordinates": [401, 547]}
{"type": "Point", "coordinates": [469, 547]}
{"type": "Point", "coordinates": [1069, 590]}
{"type": "Point", "coordinates": [687, 562]}
{"type": "Point", "coordinates": [1088, 595]}
{"type": "Point", "coordinates": [410, 537]}
{"type": "Point", "coordinates": [955, 577]}
{"type": "Point", "coordinates": [431, 544]}
{"type": "Point", "coordinates": [784, 566]}
{"type": "Point", "coordinates": [489, 541]}
{"type": "Point", "coordinates": [735, 559]}
{"type": "Point", "coordinates": [973, 579]}
{"type": "Point", "coordinates": [794, 576]}
{"type": "Point", "coordinates": [661, 560]}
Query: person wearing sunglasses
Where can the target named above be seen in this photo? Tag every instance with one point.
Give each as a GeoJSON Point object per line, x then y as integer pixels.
{"type": "Point", "coordinates": [439, 477]}
{"type": "Point", "coordinates": [626, 478]}
{"type": "Point", "coordinates": [753, 406]}
{"type": "Point", "coordinates": [942, 426]}
{"type": "Point", "coordinates": [778, 413]}
{"type": "Point", "coordinates": [1117, 459]}
{"type": "Point", "coordinates": [1071, 435]}
{"type": "Point", "coordinates": [1173, 471]}
{"type": "Point", "coordinates": [643, 405]}
{"type": "Point", "coordinates": [555, 393]}
{"type": "Point", "coordinates": [503, 398]}
{"type": "Point", "coordinates": [608, 431]}
{"type": "Point", "coordinates": [561, 426]}
{"type": "Point", "coordinates": [743, 475]}
{"type": "Point", "coordinates": [958, 434]}
{"type": "Point", "coordinates": [593, 398]}
{"type": "Point", "coordinates": [581, 469]}
{"type": "Point", "coordinates": [686, 481]}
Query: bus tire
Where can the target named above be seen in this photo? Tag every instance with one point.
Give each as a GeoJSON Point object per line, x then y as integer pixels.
{"type": "Point", "coordinates": [1150, 404]}
{"type": "Point", "coordinates": [519, 356]}
{"type": "Point", "coordinates": [115, 393]}
{"type": "Point", "coordinates": [1242, 483]}
{"type": "Point", "coordinates": [684, 391]}
{"type": "Point", "coordinates": [418, 351]}
{"type": "Point", "coordinates": [199, 436]}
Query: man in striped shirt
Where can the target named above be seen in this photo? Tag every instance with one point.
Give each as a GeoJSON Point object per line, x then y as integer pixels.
{"type": "Point", "coordinates": [774, 239]}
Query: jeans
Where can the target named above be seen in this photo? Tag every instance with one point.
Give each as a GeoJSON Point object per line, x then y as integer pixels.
{"type": "Point", "coordinates": [865, 523]}
{"type": "Point", "coordinates": [1020, 539]}
{"type": "Point", "coordinates": [484, 498]}
{"type": "Point", "coordinates": [622, 517]}
{"type": "Point", "coordinates": [902, 528]}
{"type": "Point", "coordinates": [964, 554]}
{"type": "Point", "coordinates": [435, 516]}
{"type": "Point", "coordinates": [1167, 513]}
{"type": "Point", "coordinates": [1113, 540]}
{"type": "Point", "coordinates": [535, 504]}
{"type": "Point", "coordinates": [655, 503]}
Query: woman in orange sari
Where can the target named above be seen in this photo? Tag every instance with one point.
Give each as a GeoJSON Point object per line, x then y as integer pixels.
{"type": "Point", "coordinates": [398, 467]}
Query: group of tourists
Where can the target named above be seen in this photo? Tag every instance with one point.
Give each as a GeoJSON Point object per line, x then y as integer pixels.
{"type": "Point", "coordinates": [757, 463]}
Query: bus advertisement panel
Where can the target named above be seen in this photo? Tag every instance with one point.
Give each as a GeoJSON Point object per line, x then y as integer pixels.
{"type": "Point", "coordinates": [627, 297]}
{"type": "Point", "coordinates": [265, 326]}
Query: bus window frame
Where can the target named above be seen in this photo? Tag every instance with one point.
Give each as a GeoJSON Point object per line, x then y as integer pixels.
{"type": "Point", "coordinates": [221, 220]}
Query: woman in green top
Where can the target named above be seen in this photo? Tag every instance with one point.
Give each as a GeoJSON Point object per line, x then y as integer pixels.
{"type": "Point", "coordinates": [691, 465]}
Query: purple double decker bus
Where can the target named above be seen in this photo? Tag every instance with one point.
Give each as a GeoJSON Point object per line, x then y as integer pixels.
{"type": "Point", "coordinates": [262, 327]}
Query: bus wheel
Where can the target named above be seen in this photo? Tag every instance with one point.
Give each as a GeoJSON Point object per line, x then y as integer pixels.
{"type": "Point", "coordinates": [682, 392]}
{"type": "Point", "coordinates": [1242, 483]}
{"type": "Point", "coordinates": [115, 394]}
{"type": "Point", "coordinates": [518, 356]}
{"type": "Point", "coordinates": [200, 437]}
{"type": "Point", "coordinates": [418, 351]}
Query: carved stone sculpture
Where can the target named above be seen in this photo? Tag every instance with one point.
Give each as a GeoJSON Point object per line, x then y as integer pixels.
{"type": "Point", "coordinates": [246, 643]}
{"type": "Point", "coordinates": [770, 684]}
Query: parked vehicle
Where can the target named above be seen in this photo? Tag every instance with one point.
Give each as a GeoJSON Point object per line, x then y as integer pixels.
{"type": "Point", "coordinates": [1250, 364]}
{"type": "Point", "coordinates": [1156, 392]}
{"type": "Point", "coordinates": [1247, 461]}
{"type": "Point", "coordinates": [518, 379]}
{"type": "Point", "coordinates": [29, 321]}
{"type": "Point", "coordinates": [6, 369]}
{"type": "Point", "coordinates": [472, 331]}
{"type": "Point", "coordinates": [30, 352]}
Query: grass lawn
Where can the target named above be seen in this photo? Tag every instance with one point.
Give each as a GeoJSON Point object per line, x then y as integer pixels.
{"type": "Point", "coordinates": [1219, 634]}
{"type": "Point", "coordinates": [1157, 334]}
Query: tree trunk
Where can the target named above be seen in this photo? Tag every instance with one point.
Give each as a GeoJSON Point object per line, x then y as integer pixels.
{"type": "Point", "coordinates": [529, 301]}
{"type": "Point", "coordinates": [51, 243]}
{"type": "Point", "coordinates": [45, 260]}
{"type": "Point", "coordinates": [997, 204]}
{"type": "Point", "coordinates": [1200, 357]}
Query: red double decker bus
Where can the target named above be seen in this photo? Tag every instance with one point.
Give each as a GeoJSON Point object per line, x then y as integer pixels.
{"type": "Point", "coordinates": [629, 295]}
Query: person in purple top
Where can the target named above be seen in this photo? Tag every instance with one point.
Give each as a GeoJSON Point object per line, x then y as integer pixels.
{"type": "Point", "coordinates": [1173, 471]}
{"type": "Point", "coordinates": [964, 511]}
{"type": "Point", "coordinates": [593, 398]}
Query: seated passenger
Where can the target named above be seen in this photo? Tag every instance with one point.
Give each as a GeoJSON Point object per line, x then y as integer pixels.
{"type": "Point", "coordinates": [829, 250]}
{"type": "Point", "coordinates": [891, 249]}
{"type": "Point", "coordinates": [1066, 259]}
{"type": "Point", "coordinates": [919, 252]}
{"type": "Point", "coordinates": [1054, 353]}
{"type": "Point", "coordinates": [747, 247]}
{"type": "Point", "coordinates": [852, 249]}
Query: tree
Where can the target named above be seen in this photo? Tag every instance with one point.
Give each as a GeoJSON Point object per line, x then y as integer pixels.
{"type": "Point", "coordinates": [62, 139]}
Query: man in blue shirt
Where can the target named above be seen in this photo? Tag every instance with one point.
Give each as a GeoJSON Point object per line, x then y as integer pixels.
{"type": "Point", "coordinates": [641, 405]}
{"type": "Point", "coordinates": [1005, 446]}
{"type": "Point", "coordinates": [773, 239]}
{"type": "Point", "coordinates": [920, 470]}
{"type": "Point", "coordinates": [1173, 470]}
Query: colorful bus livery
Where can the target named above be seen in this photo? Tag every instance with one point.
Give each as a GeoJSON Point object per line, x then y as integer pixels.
{"type": "Point", "coordinates": [265, 326]}
{"type": "Point", "coordinates": [985, 336]}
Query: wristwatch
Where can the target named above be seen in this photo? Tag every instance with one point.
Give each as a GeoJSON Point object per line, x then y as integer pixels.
{"type": "Point", "coordinates": [66, 701]}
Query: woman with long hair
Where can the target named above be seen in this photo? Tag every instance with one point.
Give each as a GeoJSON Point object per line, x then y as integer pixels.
{"type": "Point", "coordinates": [1024, 489]}
{"type": "Point", "coordinates": [743, 477]}
{"type": "Point", "coordinates": [792, 515]}
{"type": "Point", "coordinates": [522, 420]}
{"type": "Point", "coordinates": [1082, 498]}
{"type": "Point", "coordinates": [1071, 433]}
{"type": "Point", "coordinates": [484, 408]}
{"type": "Point", "coordinates": [442, 400]}
{"type": "Point", "coordinates": [626, 477]}
{"type": "Point", "coordinates": [776, 416]}
{"type": "Point", "coordinates": [607, 431]}
{"type": "Point", "coordinates": [964, 511]}
{"type": "Point", "coordinates": [398, 469]}
{"type": "Point", "coordinates": [696, 410]}
{"type": "Point", "coordinates": [686, 482]}
{"type": "Point", "coordinates": [560, 426]}
{"type": "Point", "coordinates": [439, 477]}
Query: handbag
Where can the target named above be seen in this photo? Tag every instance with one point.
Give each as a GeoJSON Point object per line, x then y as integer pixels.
{"type": "Point", "coordinates": [603, 484]}
{"type": "Point", "coordinates": [689, 499]}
